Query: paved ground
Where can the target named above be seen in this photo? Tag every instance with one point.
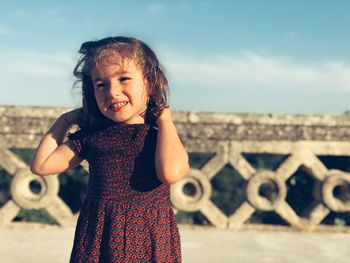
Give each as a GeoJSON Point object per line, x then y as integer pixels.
{"type": "Point", "coordinates": [39, 245]}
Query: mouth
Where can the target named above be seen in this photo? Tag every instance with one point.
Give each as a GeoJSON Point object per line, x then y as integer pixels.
{"type": "Point", "coordinates": [116, 106]}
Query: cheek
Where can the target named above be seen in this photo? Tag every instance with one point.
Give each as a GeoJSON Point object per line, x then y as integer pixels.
{"type": "Point", "coordinates": [138, 97]}
{"type": "Point", "coordinates": [99, 100]}
{"type": "Point", "coordinates": [144, 96]}
{"type": "Point", "coordinates": [145, 99]}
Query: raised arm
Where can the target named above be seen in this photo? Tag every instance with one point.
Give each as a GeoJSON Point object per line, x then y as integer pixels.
{"type": "Point", "coordinates": [171, 160]}
{"type": "Point", "coordinates": [52, 155]}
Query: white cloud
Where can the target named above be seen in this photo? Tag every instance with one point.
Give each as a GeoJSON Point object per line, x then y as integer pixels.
{"type": "Point", "coordinates": [291, 34]}
{"type": "Point", "coordinates": [46, 78]}
{"type": "Point", "coordinates": [21, 70]}
{"type": "Point", "coordinates": [4, 30]}
{"type": "Point", "coordinates": [156, 7]}
{"type": "Point", "coordinates": [21, 13]}
{"type": "Point", "coordinates": [183, 5]}
{"type": "Point", "coordinates": [34, 64]}
{"type": "Point", "coordinates": [36, 78]}
{"type": "Point", "coordinates": [249, 70]}
{"type": "Point", "coordinates": [31, 13]}
{"type": "Point", "coordinates": [163, 7]}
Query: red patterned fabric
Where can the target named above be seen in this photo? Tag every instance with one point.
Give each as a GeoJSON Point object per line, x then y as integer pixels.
{"type": "Point", "coordinates": [127, 214]}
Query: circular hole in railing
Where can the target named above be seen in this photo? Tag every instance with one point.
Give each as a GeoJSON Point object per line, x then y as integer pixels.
{"type": "Point", "coordinates": [189, 189]}
{"type": "Point", "coordinates": [35, 187]}
{"type": "Point", "coordinates": [342, 192]}
{"type": "Point", "coordinates": [269, 190]}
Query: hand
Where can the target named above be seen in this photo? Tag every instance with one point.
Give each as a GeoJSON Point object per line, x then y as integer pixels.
{"type": "Point", "coordinates": [164, 116]}
{"type": "Point", "coordinates": [155, 110]}
{"type": "Point", "coordinates": [72, 117]}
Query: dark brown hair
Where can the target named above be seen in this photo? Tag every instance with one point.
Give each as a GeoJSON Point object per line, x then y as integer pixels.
{"type": "Point", "coordinates": [125, 48]}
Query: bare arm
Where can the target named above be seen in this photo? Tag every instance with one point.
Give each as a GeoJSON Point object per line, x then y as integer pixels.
{"type": "Point", "coordinates": [52, 155]}
{"type": "Point", "coordinates": [171, 158]}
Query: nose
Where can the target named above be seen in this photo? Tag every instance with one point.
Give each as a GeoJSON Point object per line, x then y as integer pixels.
{"type": "Point", "coordinates": [114, 89]}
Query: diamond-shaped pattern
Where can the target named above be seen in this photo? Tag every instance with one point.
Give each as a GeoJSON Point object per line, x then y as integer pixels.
{"type": "Point", "coordinates": [300, 191]}
{"type": "Point", "coordinates": [263, 191]}
{"type": "Point", "coordinates": [5, 182]}
{"type": "Point", "coordinates": [228, 190]}
{"type": "Point", "coordinates": [267, 190]}
{"type": "Point", "coordinates": [314, 178]}
{"type": "Point", "coordinates": [24, 197]}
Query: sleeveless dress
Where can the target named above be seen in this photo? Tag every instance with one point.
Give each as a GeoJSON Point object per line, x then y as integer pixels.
{"type": "Point", "coordinates": [127, 214]}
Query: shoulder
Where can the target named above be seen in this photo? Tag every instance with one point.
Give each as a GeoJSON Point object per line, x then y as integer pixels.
{"type": "Point", "coordinates": [80, 134]}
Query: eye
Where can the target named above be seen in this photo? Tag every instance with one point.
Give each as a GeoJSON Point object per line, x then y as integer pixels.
{"type": "Point", "coordinates": [123, 79]}
{"type": "Point", "coordinates": [99, 86]}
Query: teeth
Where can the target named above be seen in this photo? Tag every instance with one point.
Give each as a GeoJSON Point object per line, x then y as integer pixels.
{"type": "Point", "coordinates": [118, 104]}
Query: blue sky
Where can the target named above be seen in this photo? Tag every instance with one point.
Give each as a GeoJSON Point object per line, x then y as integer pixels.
{"type": "Point", "coordinates": [219, 56]}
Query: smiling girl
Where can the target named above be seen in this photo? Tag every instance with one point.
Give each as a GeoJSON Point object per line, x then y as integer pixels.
{"type": "Point", "coordinates": [134, 152]}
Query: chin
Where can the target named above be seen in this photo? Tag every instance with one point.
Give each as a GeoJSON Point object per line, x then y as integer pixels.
{"type": "Point", "coordinates": [115, 119]}
{"type": "Point", "coordinates": [118, 119]}
{"type": "Point", "coordinates": [128, 119]}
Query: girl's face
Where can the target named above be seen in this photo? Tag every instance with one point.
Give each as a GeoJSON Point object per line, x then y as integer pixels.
{"type": "Point", "coordinates": [120, 90]}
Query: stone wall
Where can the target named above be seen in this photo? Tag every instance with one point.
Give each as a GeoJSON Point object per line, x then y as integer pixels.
{"type": "Point", "coordinates": [228, 136]}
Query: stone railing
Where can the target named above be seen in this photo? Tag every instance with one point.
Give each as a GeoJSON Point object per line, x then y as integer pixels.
{"type": "Point", "coordinates": [228, 136]}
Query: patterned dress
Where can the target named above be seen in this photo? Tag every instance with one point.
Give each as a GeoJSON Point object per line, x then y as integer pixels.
{"type": "Point", "coordinates": [127, 214]}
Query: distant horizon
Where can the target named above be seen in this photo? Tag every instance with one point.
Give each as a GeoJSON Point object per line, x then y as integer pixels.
{"type": "Point", "coordinates": [289, 57]}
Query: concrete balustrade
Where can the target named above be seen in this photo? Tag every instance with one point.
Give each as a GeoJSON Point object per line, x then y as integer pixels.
{"type": "Point", "coordinates": [228, 136]}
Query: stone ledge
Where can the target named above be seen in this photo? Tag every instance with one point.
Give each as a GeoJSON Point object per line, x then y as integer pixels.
{"type": "Point", "coordinates": [23, 126]}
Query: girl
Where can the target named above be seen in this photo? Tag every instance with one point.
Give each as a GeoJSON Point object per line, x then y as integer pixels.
{"type": "Point", "coordinates": [134, 152]}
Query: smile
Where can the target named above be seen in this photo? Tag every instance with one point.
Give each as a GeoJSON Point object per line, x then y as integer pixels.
{"type": "Point", "coordinates": [117, 106]}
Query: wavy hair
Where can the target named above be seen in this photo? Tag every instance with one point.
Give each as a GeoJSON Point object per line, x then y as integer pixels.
{"type": "Point", "coordinates": [126, 48]}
